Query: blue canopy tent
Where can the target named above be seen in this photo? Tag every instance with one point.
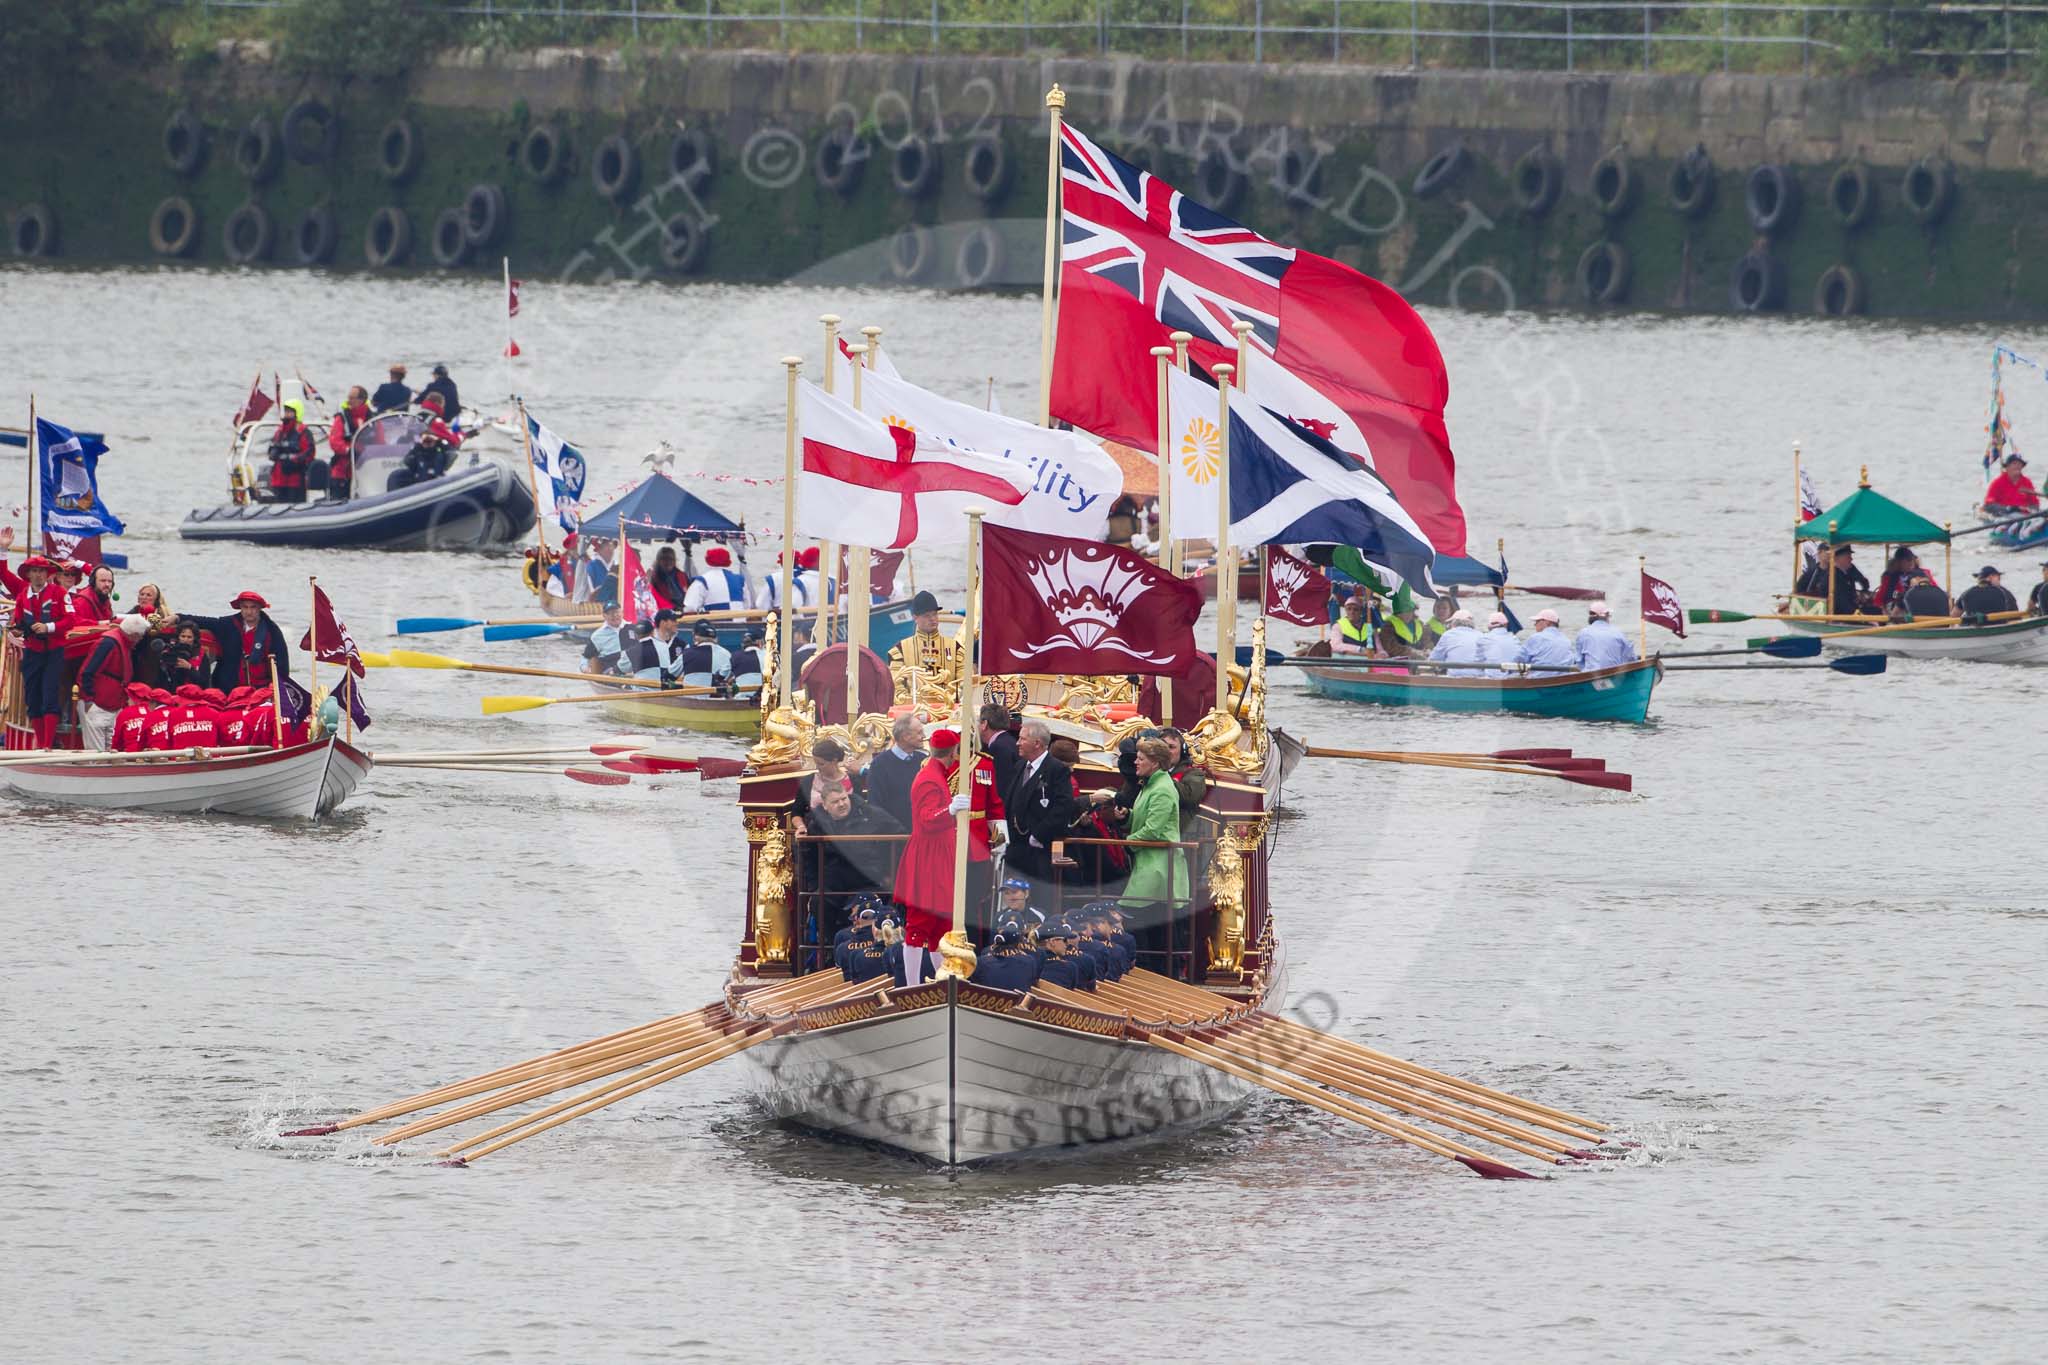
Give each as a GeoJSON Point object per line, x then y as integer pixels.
{"type": "Point", "coordinates": [661, 509]}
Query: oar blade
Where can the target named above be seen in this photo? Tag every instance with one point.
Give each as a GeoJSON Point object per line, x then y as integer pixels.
{"type": "Point", "coordinates": [428, 625]}
{"type": "Point", "coordinates": [1567, 594]}
{"type": "Point", "coordinates": [413, 658]}
{"type": "Point", "coordinates": [496, 633]}
{"type": "Point", "coordinates": [1858, 665]}
{"type": "Point", "coordinates": [1707, 616]}
{"type": "Point", "coordinates": [1568, 765]}
{"type": "Point", "coordinates": [499, 706]}
{"type": "Point", "coordinates": [711, 768]}
{"type": "Point", "coordinates": [372, 659]}
{"type": "Point", "coordinates": [1614, 782]}
{"type": "Point", "coordinates": [1787, 646]}
{"type": "Point", "coordinates": [597, 777]}
{"type": "Point", "coordinates": [1529, 755]}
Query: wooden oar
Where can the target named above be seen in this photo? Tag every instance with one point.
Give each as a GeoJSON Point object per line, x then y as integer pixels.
{"type": "Point", "coordinates": [1361, 662]}
{"type": "Point", "coordinates": [1620, 782]}
{"type": "Point", "coordinates": [1568, 594]}
{"type": "Point", "coordinates": [1900, 627]}
{"type": "Point", "coordinates": [372, 659]}
{"type": "Point", "coordinates": [431, 625]}
{"type": "Point", "coordinates": [1707, 616]}
{"type": "Point", "coordinates": [498, 706]}
{"type": "Point", "coordinates": [2035, 515]}
{"type": "Point", "coordinates": [602, 776]}
{"type": "Point", "coordinates": [1856, 665]}
{"type": "Point", "coordinates": [412, 658]}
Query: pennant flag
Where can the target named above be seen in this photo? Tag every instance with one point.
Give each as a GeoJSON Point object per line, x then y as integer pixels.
{"type": "Point", "coordinates": [842, 370]}
{"type": "Point", "coordinates": [636, 599]}
{"type": "Point", "coordinates": [69, 468]}
{"type": "Point", "coordinates": [1074, 482]}
{"type": "Point", "coordinates": [1053, 604]}
{"type": "Point", "coordinates": [866, 483]}
{"type": "Point", "coordinates": [1339, 351]}
{"type": "Point", "coordinates": [255, 405]}
{"type": "Point", "coordinates": [1296, 590]}
{"type": "Point", "coordinates": [1660, 605]}
{"type": "Point", "coordinates": [312, 394]}
{"type": "Point", "coordinates": [558, 466]}
{"type": "Point", "coordinates": [1809, 508]}
{"type": "Point", "coordinates": [351, 694]}
{"type": "Point", "coordinates": [1287, 484]}
{"type": "Point", "coordinates": [337, 646]}
{"type": "Point", "coordinates": [294, 702]}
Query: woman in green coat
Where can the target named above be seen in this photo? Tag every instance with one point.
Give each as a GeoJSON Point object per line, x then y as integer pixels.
{"type": "Point", "coordinates": [1157, 874]}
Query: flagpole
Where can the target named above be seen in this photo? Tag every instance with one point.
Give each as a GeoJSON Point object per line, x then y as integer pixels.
{"type": "Point", "coordinates": [276, 707]}
{"type": "Point", "coordinates": [540, 525]}
{"type": "Point", "coordinates": [313, 639]}
{"type": "Point", "coordinates": [785, 619]}
{"type": "Point", "coordinates": [1798, 516]}
{"type": "Point", "coordinates": [1642, 621]}
{"type": "Point", "coordinates": [1226, 593]}
{"type": "Point", "coordinates": [1180, 359]}
{"type": "Point", "coordinates": [1244, 355]}
{"type": "Point", "coordinates": [510, 387]}
{"type": "Point", "coordinates": [35, 466]}
{"type": "Point", "coordinates": [827, 554]}
{"type": "Point", "coordinates": [1163, 359]}
{"type": "Point", "coordinates": [857, 567]}
{"type": "Point", "coordinates": [970, 732]}
{"type": "Point", "coordinates": [1055, 104]}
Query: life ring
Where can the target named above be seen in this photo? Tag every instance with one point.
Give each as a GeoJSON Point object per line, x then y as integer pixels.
{"type": "Point", "coordinates": [1612, 184]}
{"type": "Point", "coordinates": [1692, 183]}
{"type": "Point", "coordinates": [534, 572]}
{"type": "Point", "coordinates": [451, 238]}
{"type": "Point", "coordinates": [1218, 183]}
{"type": "Point", "coordinates": [1851, 194]}
{"type": "Point", "coordinates": [174, 227]}
{"type": "Point", "coordinates": [1603, 273]}
{"type": "Point", "coordinates": [258, 151]}
{"type": "Point", "coordinates": [34, 231]}
{"type": "Point", "coordinates": [388, 238]}
{"type": "Point", "coordinates": [986, 169]}
{"type": "Point", "coordinates": [841, 155]}
{"type": "Point", "coordinates": [311, 132]}
{"type": "Point", "coordinates": [1758, 284]}
{"type": "Point", "coordinates": [1539, 180]}
{"type": "Point", "coordinates": [692, 158]}
{"type": "Point", "coordinates": [483, 215]}
{"type": "Point", "coordinates": [184, 142]}
{"type": "Point", "coordinates": [1927, 189]}
{"type": "Point", "coordinates": [544, 153]}
{"type": "Point", "coordinates": [398, 151]}
{"type": "Point", "coordinates": [248, 234]}
{"type": "Point", "coordinates": [979, 257]}
{"type": "Point", "coordinates": [911, 250]}
{"type": "Point", "coordinates": [1440, 170]}
{"type": "Point", "coordinates": [1771, 198]}
{"type": "Point", "coordinates": [914, 167]}
{"type": "Point", "coordinates": [1839, 292]}
{"type": "Point", "coordinates": [685, 243]}
{"type": "Point", "coordinates": [315, 238]}
{"type": "Point", "coordinates": [615, 169]}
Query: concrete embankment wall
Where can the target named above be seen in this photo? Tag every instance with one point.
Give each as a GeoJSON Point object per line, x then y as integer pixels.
{"type": "Point", "coordinates": [1924, 198]}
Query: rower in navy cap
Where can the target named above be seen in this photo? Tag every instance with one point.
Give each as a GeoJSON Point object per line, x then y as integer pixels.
{"type": "Point", "coordinates": [1017, 905]}
{"type": "Point", "coordinates": [889, 933]}
{"type": "Point", "coordinates": [706, 660]}
{"type": "Point", "coordinates": [870, 957]}
{"type": "Point", "coordinates": [866, 910]}
{"type": "Point", "coordinates": [1009, 964]}
{"type": "Point", "coordinates": [1060, 963]}
{"type": "Point", "coordinates": [746, 660]}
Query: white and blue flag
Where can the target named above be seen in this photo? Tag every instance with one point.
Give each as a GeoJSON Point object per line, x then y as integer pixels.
{"type": "Point", "coordinates": [559, 466]}
{"type": "Point", "coordinates": [70, 480]}
{"type": "Point", "coordinates": [1288, 485]}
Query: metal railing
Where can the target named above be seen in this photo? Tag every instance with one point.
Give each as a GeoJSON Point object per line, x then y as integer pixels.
{"type": "Point", "coordinates": [1569, 35]}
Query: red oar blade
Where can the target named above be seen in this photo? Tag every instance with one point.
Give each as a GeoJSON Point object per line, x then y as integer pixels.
{"type": "Point", "coordinates": [631, 764]}
{"type": "Point", "coordinates": [1614, 782]}
{"type": "Point", "coordinates": [1569, 765]}
{"type": "Point", "coordinates": [1530, 755]}
{"type": "Point", "coordinates": [619, 744]}
{"type": "Point", "coordinates": [669, 765]}
{"type": "Point", "coordinates": [1568, 594]}
{"type": "Point", "coordinates": [1494, 1170]}
{"type": "Point", "coordinates": [319, 1130]}
{"type": "Point", "coordinates": [597, 777]}
{"type": "Point", "coordinates": [711, 768]}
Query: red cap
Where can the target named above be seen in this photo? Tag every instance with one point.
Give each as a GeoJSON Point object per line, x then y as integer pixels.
{"type": "Point", "coordinates": [945, 739]}
{"type": "Point", "coordinates": [718, 557]}
{"type": "Point", "coordinates": [432, 400]}
{"type": "Point", "coordinates": [257, 696]}
{"type": "Point", "coordinates": [161, 697]}
{"type": "Point", "coordinates": [214, 695]}
{"type": "Point", "coordinates": [808, 557]}
{"type": "Point", "coordinates": [36, 562]}
{"type": "Point", "coordinates": [189, 692]}
{"type": "Point", "coordinates": [234, 698]}
{"type": "Point", "coordinates": [137, 691]}
{"type": "Point", "coordinates": [249, 595]}
{"type": "Point", "coordinates": [78, 566]}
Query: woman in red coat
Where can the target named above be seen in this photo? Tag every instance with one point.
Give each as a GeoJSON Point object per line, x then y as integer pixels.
{"type": "Point", "coordinates": [924, 879]}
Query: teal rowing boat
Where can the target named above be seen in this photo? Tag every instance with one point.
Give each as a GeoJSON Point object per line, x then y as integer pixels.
{"type": "Point", "coordinates": [1620, 693]}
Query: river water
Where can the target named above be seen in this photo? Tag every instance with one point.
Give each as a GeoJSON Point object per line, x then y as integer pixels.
{"type": "Point", "coordinates": [1801, 967]}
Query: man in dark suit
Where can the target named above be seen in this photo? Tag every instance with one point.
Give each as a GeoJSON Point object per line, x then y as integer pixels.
{"type": "Point", "coordinates": [890, 772]}
{"type": "Point", "coordinates": [999, 744]}
{"type": "Point", "coordinates": [1039, 803]}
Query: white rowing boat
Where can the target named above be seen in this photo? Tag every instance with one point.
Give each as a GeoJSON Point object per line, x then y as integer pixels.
{"type": "Point", "coordinates": [2024, 641]}
{"type": "Point", "coordinates": [303, 782]}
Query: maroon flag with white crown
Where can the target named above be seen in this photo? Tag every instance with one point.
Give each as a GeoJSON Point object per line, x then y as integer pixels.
{"type": "Point", "coordinates": [1053, 604]}
{"type": "Point", "coordinates": [1660, 605]}
{"type": "Point", "coordinates": [337, 646]}
{"type": "Point", "coordinates": [1296, 590]}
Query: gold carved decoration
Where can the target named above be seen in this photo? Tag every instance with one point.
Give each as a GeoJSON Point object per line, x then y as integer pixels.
{"type": "Point", "coordinates": [1238, 743]}
{"type": "Point", "coordinates": [769, 842]}
{"type": "Point", "coordinates": [786, 726]}
{"type": "Point", "coordinates": [956, 955]}
{"type": "Point", "coordinates": [1227, 890]}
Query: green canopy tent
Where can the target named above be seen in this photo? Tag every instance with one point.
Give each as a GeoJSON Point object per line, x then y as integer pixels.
{"type": "Point", "coordinates": [1868, 517]}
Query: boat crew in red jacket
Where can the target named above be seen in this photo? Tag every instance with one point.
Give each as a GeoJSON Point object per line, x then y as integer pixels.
{"type": "Point", "coordinates": [2011, 491]}
{"type": "Point", "coordinates": [131, 725]}
{"type": "Point", "coordinates": [291, 452]}
{"type": "Point", "coordinates": [39, 613]}
{"type": "Point", "coordinates": [341, 436]}
{"type": "Point", "coordinates": [92, 610]}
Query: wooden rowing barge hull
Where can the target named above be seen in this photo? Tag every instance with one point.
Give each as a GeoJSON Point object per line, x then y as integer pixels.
{"type": "Point", "coordinates": [956, 1075]}
{"type": "Point", "coordinates": [2024, 641]}
{"type": "Point", "coordinates": [300, 783]}
{"type": "Point", "coordinates": [1620, 693]}
{"type": "Point", "coordinates": [717, 715]}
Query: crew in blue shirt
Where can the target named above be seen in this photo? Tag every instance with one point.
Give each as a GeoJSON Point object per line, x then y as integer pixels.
{"type": "Point", "coordinates": [1547, 645]}
{"type": "Point", "coordinates": [1499, 645]}
{"type": "Point", "coordinates": [1460, 644]}
{"type": "Point", "coordinates": [1600, 644]}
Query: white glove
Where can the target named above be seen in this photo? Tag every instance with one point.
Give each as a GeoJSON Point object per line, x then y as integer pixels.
{"type": "Point", "coordinates": [959, 803]}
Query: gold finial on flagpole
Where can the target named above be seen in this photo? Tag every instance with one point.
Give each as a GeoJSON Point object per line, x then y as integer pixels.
{"type": "Point", "coordinates": [1244, 349]}
{"type": "Point", "coordinates": [1180, 342]}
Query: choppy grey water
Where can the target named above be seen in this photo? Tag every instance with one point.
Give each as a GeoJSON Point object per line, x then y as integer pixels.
{"type": "Point", "coordinates": [1802, 966]}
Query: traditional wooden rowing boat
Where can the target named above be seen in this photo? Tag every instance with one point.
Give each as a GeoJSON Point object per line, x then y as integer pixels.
{"type": "Point", "coordinates": [303, 782]}
{"type": "Point", "coordinates": [2003, 642]}
{"type": "Point", "coordinates": [717, 715]}
{"type": "Point", "coordinates": [1620, 693]}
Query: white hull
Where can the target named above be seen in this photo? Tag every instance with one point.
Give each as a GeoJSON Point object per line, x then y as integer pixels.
{"type": "Point", "coordinates": [302, 783]}
{"type": "Point", "coordinates": [2014, 642]}
{"type": "Point", "coordinates": [957, 1084]}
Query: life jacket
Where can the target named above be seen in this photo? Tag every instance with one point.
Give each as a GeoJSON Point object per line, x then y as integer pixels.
{"type": "Point", "coordinates": [341, 440]}
{"type": "Point", "coordinates": [1360, 634]}
{"type": "Point", "coordinates": [117, 670]}
{"type": "Point", "coordinates": [291, 447]}
{"type": "Point", "coordinates": [131, 727]}
{"type": "Point", "coordinates": [253, 662]}
{"type": "Point", "coordinates": [746, 663]}
{"type": "Point", "coordinates": [1408, 634]}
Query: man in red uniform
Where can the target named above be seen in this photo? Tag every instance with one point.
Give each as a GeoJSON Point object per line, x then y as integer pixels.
{"type": "Point", "coordinates": [291, 451]}
{"type": "Point", "coordinates": [2011, 491]}
{"type": "Point", "coordinates": [924, 879]}
{"type": "Point", "coordinates": [40, 610]}
{"type": "Point", "coordinates": [104, 679]}
{"type": "Point", "coordinates": [249, 642]}
{"type": "Point", "coordinates": [341, 438]}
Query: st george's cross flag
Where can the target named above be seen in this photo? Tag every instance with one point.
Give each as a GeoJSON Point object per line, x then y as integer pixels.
{"type": "Point", "coordinates": [1660, 605]}
{"type": "Point", "coordinates": [862, 481]}
{"type": "Point", "coordinates": [1333, 350]}
{"type": "Point", "coordinates": [1296, 590]}
{"type": "Point", "coordinates": [1055, 604]}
